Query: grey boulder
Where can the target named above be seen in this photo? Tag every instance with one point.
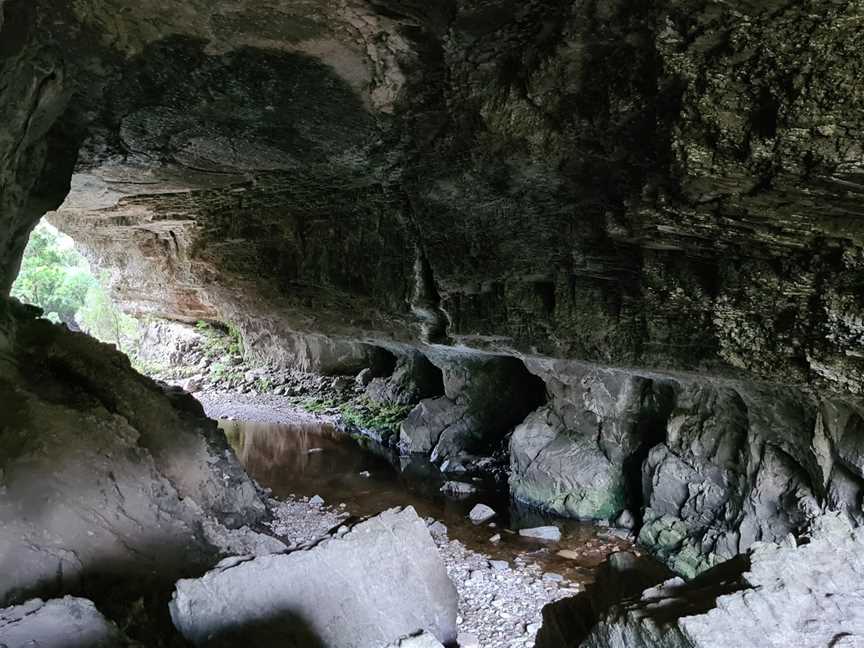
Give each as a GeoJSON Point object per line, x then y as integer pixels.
{"type": "Point", "coordinates": [380, 581]}
{"type": "Point", "coordinates": [481, 513]}
{"type": "Point", "coordinates": [59, 623]}
{"type": "Point", "coordinates": [774, 597]}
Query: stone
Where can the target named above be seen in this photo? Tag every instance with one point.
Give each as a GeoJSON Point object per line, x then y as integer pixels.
{"type": "Point", "coordinates": [575, 455]}
{"type": "Point", "coordinates": [569, 554]}
{"type": "Point", "coordinates": [59, 623]}
{"type": "Point", "coordinates": [481, 513]}
{"type": "Point", "coordinates": [421, 640]}
{"type": "Point", "coordinates": [551, 533]}
{"type": "Point", "coordinates": [316, 501]}
{"type": "Point", "coordinates": [622, 577]}
{"type": "Point", "coordinates": [805, 596]}
{"type": "Point", "coordinates": [625, 520]}
{"type": "Point", "coordinates": [142, 496]}
{"type": "Point", "coordinates": [484, 396]}
{"type": "Point", "coordinates": [468, 641]}
{"type": "Point", "coordinates": [499, 565]}
{"type": "Point", "coordinates": [332, 593]}
{"type": "Point", "coordinates": [495, 538]}
{"type": "Point", "coordinates": [459, 489]}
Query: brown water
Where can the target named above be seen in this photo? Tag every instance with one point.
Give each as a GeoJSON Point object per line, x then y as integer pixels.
{"type": "Point", "coordinates": [314, 458]}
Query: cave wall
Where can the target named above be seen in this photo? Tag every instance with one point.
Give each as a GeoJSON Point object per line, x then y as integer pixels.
{"type": "Point", "coordinates": [671, 185]}
{"type": "Point", "coordinates": [654, 188]}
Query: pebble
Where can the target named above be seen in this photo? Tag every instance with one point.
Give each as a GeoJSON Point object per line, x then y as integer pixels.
{"type": "Point", "coordinates": [366, 474]}
{"type": "Point", "coordinates": [316, 501]}
{"type": "Point", "coordinates": [552, 533]}
{"type": "Point", "coordinates": [481, 513]}
{"type": "Point", "coordinates": [569, 554]}
{"type": "Point", "coordinates": [499, 565]}
{"type": "Point", "coordinates": [495, 538]}
{"type": "Point", "coordinates": [458, 488]}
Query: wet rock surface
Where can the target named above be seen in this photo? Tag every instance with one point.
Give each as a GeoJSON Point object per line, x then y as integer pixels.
{"type": "Point", "coordinates": [704, 468]}
{"type": "Point", "coordinates": [370, 584]}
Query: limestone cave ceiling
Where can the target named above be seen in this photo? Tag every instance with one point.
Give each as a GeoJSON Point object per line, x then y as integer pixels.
{"type": "Point", "coordinates": [677, 184]}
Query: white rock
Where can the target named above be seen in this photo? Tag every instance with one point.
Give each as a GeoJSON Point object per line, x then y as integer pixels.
{"type": "Point", "coordinates": [458, 488]}
{"type": "Point", "coordinates": [481, 513]}
{"type": "Point", "coordinates": [552, 533]}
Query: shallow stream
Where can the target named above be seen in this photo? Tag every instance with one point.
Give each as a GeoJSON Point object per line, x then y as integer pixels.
{"type": "Point", "coordinates": [310, 458]}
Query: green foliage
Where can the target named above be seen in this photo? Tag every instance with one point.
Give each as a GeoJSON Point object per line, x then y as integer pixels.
{"type": "Point", "coordinates": [219, 342]}
{"type": "Point", "coordinates": [318, 405]}
{"type": "Point", "coordinates": [369, 414]}
{"type": "Point", "coordinates": [53, 276]}
{"type": "Point", "coordinates": [101, 318]}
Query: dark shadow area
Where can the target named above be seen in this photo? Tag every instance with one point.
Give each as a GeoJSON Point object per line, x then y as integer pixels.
{"type": "Point", "coordinates": [285, 630]}
{"type": "Point", "coordinates": [567, 623]}
{"type": "Point", "coordinates": [428, 378]}
{"type": "Point", "coordinates": [657, 403]}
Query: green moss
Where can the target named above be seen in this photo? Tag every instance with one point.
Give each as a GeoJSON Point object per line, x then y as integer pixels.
{"type": "Point", "coordinates": [368, 414]}
{"type": "Point", "coordinates": [318, 405]}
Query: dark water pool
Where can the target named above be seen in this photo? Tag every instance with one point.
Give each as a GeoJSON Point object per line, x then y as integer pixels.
{"type": "Point", "coordinates": [315, 458]}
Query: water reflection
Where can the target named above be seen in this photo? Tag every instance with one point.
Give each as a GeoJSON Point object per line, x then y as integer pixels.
{"type": "Point", "coordinates": [309, 458]}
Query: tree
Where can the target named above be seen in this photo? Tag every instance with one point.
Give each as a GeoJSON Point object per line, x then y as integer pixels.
{"type": "Point", "coordinates": [101, 318]}
{"type": "Point", "coordinates": [53, 276]}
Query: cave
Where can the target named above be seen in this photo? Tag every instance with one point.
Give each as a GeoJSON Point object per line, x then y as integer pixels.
{"type": "Point", "coordinates": [508, 313]}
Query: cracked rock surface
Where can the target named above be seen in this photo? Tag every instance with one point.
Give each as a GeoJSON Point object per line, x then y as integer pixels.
{"type": "Point", "coordinates": [806, 596]}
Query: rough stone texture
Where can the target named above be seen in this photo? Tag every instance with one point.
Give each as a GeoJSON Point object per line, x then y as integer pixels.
{"type": "Point", "coordinates": [104, 478]}
{"type": "Point", "coordinates": [412, 379]}
{"type": "Point", "coordinates": [623, 576]}
{"type": "Point", "coordinates": [59, 623]}
{"type": "Point", "coordinates": [379, 581]}
{"type": "Point", "coordinates": [709, 466]}
{"type": "Point", "coordinates": [484, 397]}
{"type": "Point", "coordinates": [422, 640]}
{"type": "Point", "coordinates": [805, 596]}
{"type": "Point", "coordinates": [575, 456]}
{"type": "Point", "coordinates": [676, 184]}
{"type": "Point", "coordinates": [167, 343]}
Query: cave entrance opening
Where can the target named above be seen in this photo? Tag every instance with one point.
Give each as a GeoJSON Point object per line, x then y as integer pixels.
{"type": "Point", "coordinates": [57, 278]}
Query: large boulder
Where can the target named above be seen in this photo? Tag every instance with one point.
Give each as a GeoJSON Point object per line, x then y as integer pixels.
{"type": "Point", "coordinates": [705, 467]}
{"type": "Point", "coordinates": [104, 477]}
{"type": "Point", "coordinates": [381, 580]}
{"type": "Point", "coordinates": [777, 596]}
{"type": "Point", "coordinates": [59, 623]}
{"type": "Point", "coordinates": [579, 455]}
{"type": "Point", "coordinates": [484, 397]}
{"type": "Point", "coordinates": [739, 464]}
